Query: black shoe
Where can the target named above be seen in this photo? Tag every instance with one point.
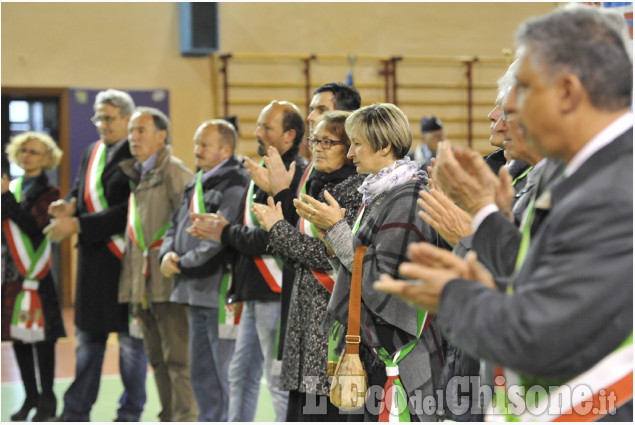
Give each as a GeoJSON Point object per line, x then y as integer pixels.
{"type": "Point", "coordinates": [46, 410]}
{"type": "Point", "coordinates": [24, 411]}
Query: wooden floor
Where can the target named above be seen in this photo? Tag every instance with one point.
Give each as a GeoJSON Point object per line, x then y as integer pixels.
{"type": "Point", "coordinates": [65, 355]}
{"type": "Point", "coordinates": [104, 410]}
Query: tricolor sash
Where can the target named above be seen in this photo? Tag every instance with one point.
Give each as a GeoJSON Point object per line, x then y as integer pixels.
{"type": "Point", "coordinates": [305, 177]}
{"type": "Point", "coordinates": [197, 203]}
{"type": "Point", "coordinates": [135, 231]}
{"type": "Point", "coordinates": [327, 279]}
{"type": "Point", "coordinates": [613, 374]}
{"type": "Point", "coordinates": [270, 267]}
{"type": "Point", "coordinates": [94, 194]}
{"type": "Point", "coordinates": [609, 381]}
{"type": "Point", "coordinates": [228, 319]}
{"type": "Point", "coordinates": [134, 326]}
{"type": "Point", "coordinates": [394, 405]}
{"type": "Point", "coordinates": [27, 322]}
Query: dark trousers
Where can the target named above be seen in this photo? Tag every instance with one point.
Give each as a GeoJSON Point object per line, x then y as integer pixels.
{"type": "Point", "coordinates": [46, 366]}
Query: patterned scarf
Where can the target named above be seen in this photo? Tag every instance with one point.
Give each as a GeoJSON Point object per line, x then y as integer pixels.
{"type": "Point", "coordinates": [390, 177]}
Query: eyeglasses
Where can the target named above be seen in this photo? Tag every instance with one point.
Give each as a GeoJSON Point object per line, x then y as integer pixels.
{"type": "Point", "coordinates": [326, 143]}
{"type": "Point", "coordinates": [30, 152]}
{"type": "Point", "coordinates": [99, 119]}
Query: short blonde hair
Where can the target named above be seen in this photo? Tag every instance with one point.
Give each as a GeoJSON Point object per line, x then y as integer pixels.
{"type": "Point", "coordinates": [52, 150]}
{"type": "Point", "coordinates": [382, 124]}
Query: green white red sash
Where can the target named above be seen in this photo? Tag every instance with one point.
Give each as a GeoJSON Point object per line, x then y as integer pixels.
{"type": "Point", "coordinates": [358, 222]}
{"type": "Point", "coordinates": [197, 203]}
{"type": "Point", "coordinates": [327, 279]}
{"type": "Point", "coordinates": [27, 322]}
{"type": "Point", "coordinates": [228, 319]}
{"type": "Point", "coordinates": [135, 231]}
{"type": "Point", "coordinates": [394, 404]}
{"type": "Point", "coordinates": [305, 177]}
{"type": "Point", "coordinates": [270, 267]}
{"type": "Point", "coordinates": [94, 194]}
{"type": "Point", "coordinates": [610, 379]}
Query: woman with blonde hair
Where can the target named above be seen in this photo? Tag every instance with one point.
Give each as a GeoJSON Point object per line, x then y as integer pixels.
{"type": "Point", "coordinates": [399, 347]}
{"type": "Point", "coordinates": [31, 315]}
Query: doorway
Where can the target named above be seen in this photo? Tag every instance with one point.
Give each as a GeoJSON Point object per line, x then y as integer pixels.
{"type": "Point", "coordinates": [44, 110]}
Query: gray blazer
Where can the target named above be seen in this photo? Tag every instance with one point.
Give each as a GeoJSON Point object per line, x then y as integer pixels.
{"type": "Point", "coordinates": [497, 239]}
{"type": "Point", "coordinates": [573, 297]}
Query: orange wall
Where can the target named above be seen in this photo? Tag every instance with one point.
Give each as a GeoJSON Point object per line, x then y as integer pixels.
{"type": "Point", "coordinates": [135, 45]}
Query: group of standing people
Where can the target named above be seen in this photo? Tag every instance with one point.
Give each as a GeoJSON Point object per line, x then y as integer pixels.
{"type": "Point", "coordinates": [245, 269]}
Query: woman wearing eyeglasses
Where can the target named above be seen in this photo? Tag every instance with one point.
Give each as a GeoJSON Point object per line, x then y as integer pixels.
{"type": "Point", "coordinates": [304, 360]}
{"type": "Point", "coordinates": [392, 342]}
{"type": "Point", "coordinates": [31, 315]}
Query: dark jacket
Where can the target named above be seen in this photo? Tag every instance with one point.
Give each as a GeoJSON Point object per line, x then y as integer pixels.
{"type": "Point", "coordinates": [203, 263]}
{"type": "Point", "coordinates": [31, 216]}
{"type": "Point", "coordinates": [247, 281]}
{"type": "Point", "coordinates": [97, 308]}
{"type": "Point", "coordinates": [306, 349]}
{"type": "Point", "coordinates": [496, 160]}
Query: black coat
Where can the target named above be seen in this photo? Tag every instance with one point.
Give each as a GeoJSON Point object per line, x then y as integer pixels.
{"type": "Point", "coordinates": [96, 297]}
{"type": "Point", "coordinates": [248, 284]}
{"type": "Point", "coordinates": [31, 217]}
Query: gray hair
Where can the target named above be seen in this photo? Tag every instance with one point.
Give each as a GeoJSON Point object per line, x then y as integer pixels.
{"type": "Point", "coordinates": [381, 125]}
{"type": "Point", "coordinates": [592, 43]}
{"type": "Point", "coordinates": [226, 131]}
{"type": "Point", "coordinates": [161, 121]}
{"type": "Point", "coordinates": [117, 98]}
{"type": "Point", "coordinates": [506, 82]}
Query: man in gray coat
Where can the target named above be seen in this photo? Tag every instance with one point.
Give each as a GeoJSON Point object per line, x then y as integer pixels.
{"type": "Point", "coordinates": [567, 314]}
{"type": "Point", "coordinates": [200, 267]}
{"type": "Point", "coordinates": [157, 179]}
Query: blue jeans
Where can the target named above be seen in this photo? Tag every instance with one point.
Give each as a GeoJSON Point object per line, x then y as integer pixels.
{"type": "Point", "coordinates": [209, 365]}
{"type": "Point", "coordinates": [133, 366]}
{"type": "Point", "coordinates": [255, 345]}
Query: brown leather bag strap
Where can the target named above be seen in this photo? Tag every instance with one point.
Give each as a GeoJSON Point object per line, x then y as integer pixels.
{"type": "Point", "coordinates": [355, 303]}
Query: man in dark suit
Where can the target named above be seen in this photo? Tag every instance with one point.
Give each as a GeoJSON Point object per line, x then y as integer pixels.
{"type": "Point", "coordinates": [95, 210]}
{"type": "Point", "coordinates": [567, 314]}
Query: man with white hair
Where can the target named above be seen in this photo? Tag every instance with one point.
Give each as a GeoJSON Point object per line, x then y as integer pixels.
{"type": "Point", "coordinates": [564, 320]}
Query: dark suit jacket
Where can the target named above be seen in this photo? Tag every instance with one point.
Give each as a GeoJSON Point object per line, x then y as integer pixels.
{"type": "Point", "coordinates": [573, 297]}
{"type": "Point", "coordinates": [96, 306]}
{"type": "Point", "coordinates": [496, 160]}
{"type": "Point", "coordinates": [248, 283]}
{"type": "Point", "coordinates": [497, 239]}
